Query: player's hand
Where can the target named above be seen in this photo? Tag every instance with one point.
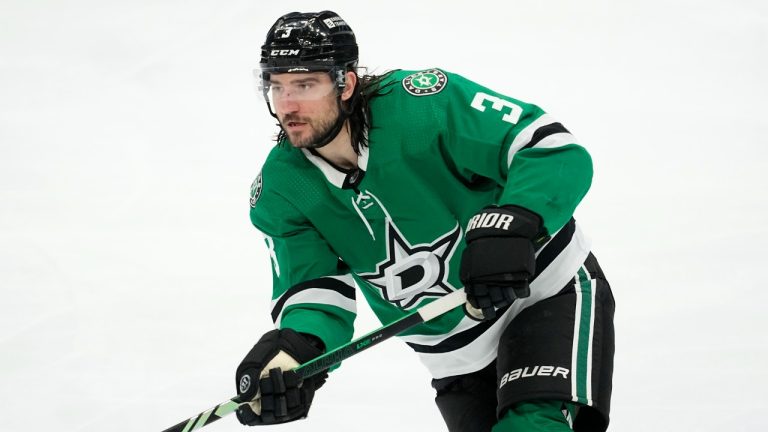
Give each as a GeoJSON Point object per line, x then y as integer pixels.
{"type": "Point", "coordinates": [264, 378]}
{"type": "Point", "coordinates": [499, 260]}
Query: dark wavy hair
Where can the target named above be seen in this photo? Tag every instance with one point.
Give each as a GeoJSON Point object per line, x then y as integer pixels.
{"type": "Point", "coordinates": [357, 108]}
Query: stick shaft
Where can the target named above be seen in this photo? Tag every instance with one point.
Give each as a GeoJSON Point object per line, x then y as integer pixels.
{"type": "Point", "coordinates": [423, 314]}
{"type": "Point", "coordinates": [312, 367]}
{"type": "Point", "coordinates": [206, 417]}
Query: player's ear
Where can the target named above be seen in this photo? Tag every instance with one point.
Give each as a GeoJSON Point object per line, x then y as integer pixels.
{"type": "Point", "coordinates": [349, 87]}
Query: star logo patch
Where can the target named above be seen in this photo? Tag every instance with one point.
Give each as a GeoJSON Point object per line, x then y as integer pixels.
{"type": "Point", "coordinates": [425, 83]}
{"type": "Point", "coordinates": [411, 273]}
{"type": "Point", "coordinates": [255, 190]}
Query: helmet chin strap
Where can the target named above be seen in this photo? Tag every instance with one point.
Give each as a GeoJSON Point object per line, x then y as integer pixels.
{"type": "Point", "coordinates": [333, 131]}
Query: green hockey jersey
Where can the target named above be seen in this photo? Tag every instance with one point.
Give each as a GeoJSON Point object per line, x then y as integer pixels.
{"type": "Point", "coordinates": [441, 147]}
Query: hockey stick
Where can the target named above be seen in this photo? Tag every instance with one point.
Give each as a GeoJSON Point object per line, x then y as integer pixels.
{"type": "Point", "coordinates": [423, 314]}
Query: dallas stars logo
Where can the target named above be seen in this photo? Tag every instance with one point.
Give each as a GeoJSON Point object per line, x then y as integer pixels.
{"type": "Point", "coordinates": [411, 273]}
{"type": "Point", "coordinates": [255, 190]}
{"type": "Point", "coordinates": [425, 83]}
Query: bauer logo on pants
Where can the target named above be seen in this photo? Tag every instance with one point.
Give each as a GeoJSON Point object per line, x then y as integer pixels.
{"type": "Point", "coordinates": [425, 83]}
{"type": "Point", "coordinates": [527, 372]}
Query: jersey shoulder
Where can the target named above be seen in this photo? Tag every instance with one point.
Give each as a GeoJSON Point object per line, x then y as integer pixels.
{"type": "Point", "coordinates": [419, 85]}
{"type": "Point", "coordinates": [404, 94]}
{"type": "Point", "coordinates": [278, 180]}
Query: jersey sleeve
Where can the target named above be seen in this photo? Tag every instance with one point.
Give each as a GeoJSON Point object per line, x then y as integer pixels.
{"type": "Point", "coordinates": [538, 163]}
{"type": "Point", "coordinates": [312, 291]}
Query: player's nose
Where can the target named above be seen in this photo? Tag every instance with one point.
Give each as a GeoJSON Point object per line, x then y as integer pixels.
{"type": "Point", "coordinates": [288, 105]}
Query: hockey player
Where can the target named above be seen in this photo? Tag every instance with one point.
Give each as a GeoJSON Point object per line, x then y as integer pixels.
{"type": "Point", "coordinates": [411, 185]}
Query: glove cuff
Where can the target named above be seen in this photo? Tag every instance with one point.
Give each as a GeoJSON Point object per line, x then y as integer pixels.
{"type": "Point", "coordinates": [505, 221]}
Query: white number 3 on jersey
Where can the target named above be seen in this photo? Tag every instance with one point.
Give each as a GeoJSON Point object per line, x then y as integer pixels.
{"type": "Point", "coordinates": [512, 116]}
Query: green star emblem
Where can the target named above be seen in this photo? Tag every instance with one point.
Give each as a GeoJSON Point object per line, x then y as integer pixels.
{"type": "Point", "coordinates": [425, 83]}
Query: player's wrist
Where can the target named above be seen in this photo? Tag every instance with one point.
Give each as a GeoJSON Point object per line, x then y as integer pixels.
{"type": "Point", "coordinates": [315, 341]}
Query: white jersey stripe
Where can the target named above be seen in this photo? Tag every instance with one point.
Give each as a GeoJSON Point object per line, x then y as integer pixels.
{"type": "Point", "coordinates": [525, 135]}
{"type": "Point", "coordinates": [324, 296]}
{"type": "Point", "coordinates": [318, 296]}
{"type": "Point", "coordinates": [556, 140]}
{"type": "Point", "coordinates": [575, 346]}
{"type": "Point", "coordinates": [346, 279]}
{"type": "Point", "coordinates": [593, 283]}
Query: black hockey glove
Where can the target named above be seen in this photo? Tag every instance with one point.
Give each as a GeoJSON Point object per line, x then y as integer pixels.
{"type": "Point", "coordinates": [499, 260]}
{"type": "Point", "coordinates": [265, 380]}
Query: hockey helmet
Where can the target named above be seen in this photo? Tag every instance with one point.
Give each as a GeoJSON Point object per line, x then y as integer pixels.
{"type": "Point", "coordinates": [309, 42]}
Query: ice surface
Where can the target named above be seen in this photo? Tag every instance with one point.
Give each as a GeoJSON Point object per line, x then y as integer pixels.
{"type": "Point", "coordinates": [132, 282]}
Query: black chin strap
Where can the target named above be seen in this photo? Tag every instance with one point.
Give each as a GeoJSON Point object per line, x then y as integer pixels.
{"type": "Point", "coordinates": [334, 131]}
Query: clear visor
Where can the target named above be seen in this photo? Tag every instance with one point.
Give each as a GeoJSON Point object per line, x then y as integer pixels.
{"type": "Point", "coordinates": [277, 85]}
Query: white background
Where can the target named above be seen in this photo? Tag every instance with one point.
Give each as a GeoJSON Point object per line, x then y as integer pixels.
{"type": "Point", "coordinates": [132, 282]}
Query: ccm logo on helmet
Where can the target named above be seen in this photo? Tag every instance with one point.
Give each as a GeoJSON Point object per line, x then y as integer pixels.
{"type": "Point", "coordinates": [284, 52]}
{"type": "Point", "coordinates": [487, 220]}
{"type": "Point", "coordinates": [528, 372]}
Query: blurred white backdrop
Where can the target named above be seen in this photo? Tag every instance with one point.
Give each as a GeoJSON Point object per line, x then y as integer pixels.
{"type": "Point", "coordinates": [132, 282]}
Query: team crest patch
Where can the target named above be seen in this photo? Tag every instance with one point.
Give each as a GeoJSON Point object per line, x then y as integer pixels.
{"type": "Point", "coordinates": [411, 273]}
{"type": "Point", "coordinates": [255, 190]}
{"type": "Point", "coordinates": [425, 83]}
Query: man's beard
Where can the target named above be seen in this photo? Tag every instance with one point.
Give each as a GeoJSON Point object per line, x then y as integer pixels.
{"type": "Point", "coordinates": [320, 128]}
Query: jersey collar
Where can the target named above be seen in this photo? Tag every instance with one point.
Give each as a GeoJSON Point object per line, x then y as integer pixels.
{"type": "Point", "coordinates": [335, 175]}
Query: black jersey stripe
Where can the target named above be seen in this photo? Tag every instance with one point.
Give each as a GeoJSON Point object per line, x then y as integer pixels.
{"type": "Point", "coordinates": [545, 131]}
{"type": "Point", "coordinates": [552, 249]}
{"type": "Point", "coordinates": [320, 283]}
{"type": "Point", "coordinates": [459, 340]}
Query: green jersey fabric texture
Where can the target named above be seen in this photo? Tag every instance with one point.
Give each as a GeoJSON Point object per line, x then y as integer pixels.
{"type": "Point", "coordinates": [441, 147]}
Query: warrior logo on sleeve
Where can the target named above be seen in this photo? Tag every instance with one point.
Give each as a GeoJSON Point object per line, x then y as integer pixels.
{"type": "Point", "coordinates": [411, 273]}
